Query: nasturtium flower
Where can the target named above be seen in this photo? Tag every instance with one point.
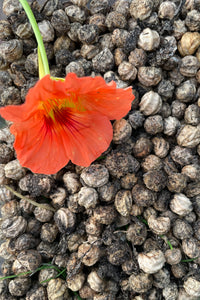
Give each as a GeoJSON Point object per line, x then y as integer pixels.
{"type": "Point", "coordinates": [66, 119]}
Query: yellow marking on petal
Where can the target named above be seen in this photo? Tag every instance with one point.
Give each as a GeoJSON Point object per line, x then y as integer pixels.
{"type": "Point", "coordinates": [51, 106]}
{"type": "Point", "coordinates": [51, 114]}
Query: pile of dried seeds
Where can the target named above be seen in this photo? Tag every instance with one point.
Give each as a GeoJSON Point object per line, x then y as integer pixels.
{"type": "Point", "coordinates": [128, 226]}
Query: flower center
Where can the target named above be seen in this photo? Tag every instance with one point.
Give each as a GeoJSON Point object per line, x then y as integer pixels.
{"type": "Point", "coordinates": [52, 107]}
{"type": "Point", "coordinates": [60, 113]}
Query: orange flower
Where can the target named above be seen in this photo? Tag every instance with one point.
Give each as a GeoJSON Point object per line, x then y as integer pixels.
{"type": "Point", "coordinates": [64, 120]}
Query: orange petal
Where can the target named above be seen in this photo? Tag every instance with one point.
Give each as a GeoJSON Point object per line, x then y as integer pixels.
{"type": "Point", "coordinates": [90, 93]}
{"type": "Point", "coordinates": [47, 88]}
{"type": "Point", "coordinates": [13, 112]}
{"type": "Point", "coordinates": [46, 148]}
{"type": "Point", "coordinates": [90, 135]}
{"type": "Point", "coordinates": [96, 95]}
{"type": "Point", "coordinates": [44, 89]}
{"type": "Point", "coordinates": [36, 150]}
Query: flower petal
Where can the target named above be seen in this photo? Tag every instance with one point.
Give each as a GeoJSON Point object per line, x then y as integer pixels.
{"type": "Point", "coordinates": [90, 135]}
{"type": "Point", "coordinates": [89, 93]}
{"type": "Point", "coordinates": [44, 89]}
{"type": "Point", "coordinates": [36, 150]}
{"type": "Point", "coordinates": [46, 148]}
{"type": "Point", "coordinates": [13, 113]}
{"type": "Point", "coordinates": [47, 88]}
{"type": "Point", "coordinates": [96, 95]}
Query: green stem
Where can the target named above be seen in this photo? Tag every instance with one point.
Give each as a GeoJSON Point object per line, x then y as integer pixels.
{"type": "Point", "coordinates": [44, 266]}
{"type": "Point", "coordinates": [170, 245]}
{"type": "Point", "coordinates": [41, 205]}
{"type": "Point", "coordinates": [61, 273]}
{"type": "Point", "coordinates": [77, 295]}
{"type": "Point", "coordinates": [189, 259]}
{"type": "Point", "coordinates": [37, 33]}
{"type": "Point", "coordinates": [166, 241]}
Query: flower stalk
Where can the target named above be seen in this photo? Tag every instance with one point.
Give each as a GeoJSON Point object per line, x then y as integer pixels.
{"type": "Point", "coordinates": [42, 57]}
